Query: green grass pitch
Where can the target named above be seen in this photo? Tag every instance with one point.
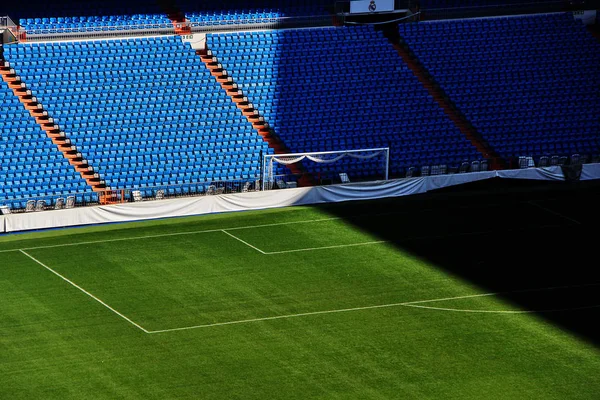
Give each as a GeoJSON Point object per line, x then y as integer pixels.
{"type": "Point", "coordinates": [293, 303]}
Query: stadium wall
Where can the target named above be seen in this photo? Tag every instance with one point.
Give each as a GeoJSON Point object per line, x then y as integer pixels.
{"type": "Point", "coordinates": [147, 210]}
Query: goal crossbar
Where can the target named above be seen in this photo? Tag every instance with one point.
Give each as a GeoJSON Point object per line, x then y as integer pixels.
{"type": "Point", "coordinates": [317, 157]}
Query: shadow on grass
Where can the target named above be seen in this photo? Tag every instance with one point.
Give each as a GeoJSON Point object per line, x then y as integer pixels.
{"type": "Point", "coordinates": [533, 243]}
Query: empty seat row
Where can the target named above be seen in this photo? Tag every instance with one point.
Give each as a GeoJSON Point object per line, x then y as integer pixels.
{"type": "Point", "coordinates": [192, 104]}
{"type": "Point", "coordinates": [332, 83]}
{"type": "Point", "coordinates": [30, 164]}
{"type": "Point", "coordinates": [522, 101]}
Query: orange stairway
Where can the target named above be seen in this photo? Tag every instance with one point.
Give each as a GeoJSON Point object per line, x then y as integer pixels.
{"type": "Point", "coordinates": [251, 113]}
{"type": "Point", "coordinates": [180, 22]}
{"type": "Point", "coordinates": [53, 131]}
{"type": "Point", "coordinates": [182, 27]}
{"type": "Point", "coordinates": [465, 126]}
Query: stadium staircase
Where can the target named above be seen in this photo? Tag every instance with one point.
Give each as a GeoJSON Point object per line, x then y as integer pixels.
{"type": "Point", "coordinates": [251, 113]}
{"type": "Point", "coordinates": [438, 94]}
{"type": "Point", "coordinates": [180, 22]}
{"type": "Point", "coordinates": [235, 93]}
{"type": "Point", "coordinates": [53, 131]}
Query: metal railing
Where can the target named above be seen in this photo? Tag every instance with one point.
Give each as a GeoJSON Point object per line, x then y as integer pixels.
{"type": "Point", "coordinates": [96, 32]}
{"type": "Point", "coordinates": [259, 23]}
{"type": "Point", "coordinates": [6, 22]}
{"type": "Point", "coordinates": [170, 28]}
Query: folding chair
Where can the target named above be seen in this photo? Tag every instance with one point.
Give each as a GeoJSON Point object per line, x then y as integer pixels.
{"type": "Point", "coordinates": [30, 206]}
{"type": "Point", "coordinates": [59, 204]}
{"type": "Point", "coordinates": [40, 205]}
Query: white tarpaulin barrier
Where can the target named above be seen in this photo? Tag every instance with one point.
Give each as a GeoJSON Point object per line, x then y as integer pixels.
{"type": "Point", "coordinates": [138, 211]}
{"type": "Point", "coordinates": [589, 172]}
{"type": "Point", "coordinates": [553, 173]}
{"type": "Point", "coordinates": [231, 202]}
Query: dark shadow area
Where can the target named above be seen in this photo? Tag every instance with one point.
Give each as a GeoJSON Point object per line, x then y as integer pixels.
{"type": "Point", "coordinates": [533, 243]}
{"type": "Point", "coordinates": [449, 9]}
{"type": "Point", "coordinates": [95, 8]}
{"type": "Point", "coordinates": [284, 8]}
{"type": "Point", "coordinates": [430, 9]}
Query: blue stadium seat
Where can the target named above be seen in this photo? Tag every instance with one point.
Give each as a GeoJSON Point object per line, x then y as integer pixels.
{"type": "Point", "coordinates": [528, 83]}
{"type": "Point", "coordinates": [118, 127]}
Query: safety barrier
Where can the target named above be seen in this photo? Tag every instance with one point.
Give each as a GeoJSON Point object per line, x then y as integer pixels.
{"type": "Point", "coordinates": [57, 33]}
{"type": "Point", "coordinates": [102, 31]}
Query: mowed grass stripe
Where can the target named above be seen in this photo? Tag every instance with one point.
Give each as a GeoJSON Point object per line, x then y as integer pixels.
{"type": "Point", "coordinates": [409, 352]}
{"type": "Point", "coordinates": [241, 297]}
{"type": "Point", "coordinates": [245, 303]}
{"type": "Point", "coordinates": [254, 319]}
{"type": "Point", "coordinates": [177, 281]}
{"type": "Point", "coordinates": [417, 303]}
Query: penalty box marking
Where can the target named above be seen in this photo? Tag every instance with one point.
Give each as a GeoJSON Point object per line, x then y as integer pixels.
{"type": "Point", "coordinates": [287, 223]}
{"type": "Point", "coordinates": [85, 291]}
{"type": "Point", "coordinates": [305, 249]}
{"type": "Point", "coordinates": [416, 304]}
{"type": "Point", "coordinates": [53, 246]}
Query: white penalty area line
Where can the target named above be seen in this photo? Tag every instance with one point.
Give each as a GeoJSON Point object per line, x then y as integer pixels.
{"type": "Point", "coordinates": [337, 246]}
{"type": "Point", "coordinates": [225, 230]}
{"type": "Point", "coordinates": [243, 241]}
{"type": "Point", "coordinates": [472, 311]}
{"type": "Point", "coordinates": [533, 203]}
{"type": "Point", "coordinates": [502, 311]}
{"type": "Point", "coordinates": [246, 321]}
{"type": "Point", "coordinates": [414, 304]}
{"type": "Point", "coordinates": [170, 234]}
{"type": "Point", "coordinates": [85, 291]}
{"type": "Point", "coordinates": [305, 249]}
{"type": "Point", "coordinates": [162, 235]}
{"type": "Point", "coordinates": [306, 314]}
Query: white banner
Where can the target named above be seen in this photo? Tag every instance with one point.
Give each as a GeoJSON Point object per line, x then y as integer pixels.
{"type": "Point", "coordinates": [371, 6]}
{"type": "Point", "coordinates": [268, 199]}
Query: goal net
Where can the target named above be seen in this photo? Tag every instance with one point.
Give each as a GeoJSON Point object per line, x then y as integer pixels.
{"type": "Point", "coordinates": [324, 167]}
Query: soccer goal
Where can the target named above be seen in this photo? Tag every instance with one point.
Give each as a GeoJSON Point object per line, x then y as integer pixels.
{"type": "Point", "coordinates": [325, 167]}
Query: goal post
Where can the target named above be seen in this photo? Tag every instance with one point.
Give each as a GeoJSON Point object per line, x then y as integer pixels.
{"type": "Point", "coordinates": [359, 164]}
